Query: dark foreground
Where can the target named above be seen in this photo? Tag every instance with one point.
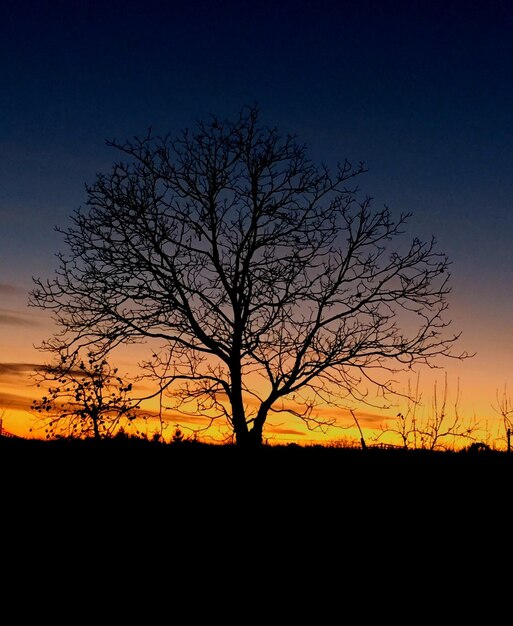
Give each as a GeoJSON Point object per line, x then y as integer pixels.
{"type": "Point", "coordinates": [306, 502]}
{"type": "Point", "coordinates": [130, 451]}
{"type": "Point", "coordinates": [137, 466]}
{"type": "Point", "coordinates": [187, 496]}
{"type": "Point", "coordinates": [198, 516]}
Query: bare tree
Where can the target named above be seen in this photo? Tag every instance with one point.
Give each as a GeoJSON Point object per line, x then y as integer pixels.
{"type": "Point", "coordinates": [265, 282]}
{"type": "Point", "coordinates": [440, 429]}
{"type": "Point", "coordinates": [87, 399]}
{"type": "Point", "coordinates": [505, 409]}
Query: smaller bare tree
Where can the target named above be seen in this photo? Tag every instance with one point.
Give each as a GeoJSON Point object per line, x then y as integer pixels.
{"type": "Point", "coordinates": [439, 430]}
{"type": "Point", "coordinates": [88, 399]}
{"type": "Point", "coordinates": [505, 408]}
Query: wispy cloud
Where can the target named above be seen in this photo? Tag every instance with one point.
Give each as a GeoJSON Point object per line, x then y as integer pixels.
{"type": "Point", "coordinates": [174, 417]}
{"type": "Point", "coordinates": [278, 430]}
{"type": "Point", "coordinates": [10, 369]}
{"type": "Point", "coordinates": [14, 318]}
{"type": "Point", "coordinates": [370, 419]}
{"type": "Point", "coordinates": [8, 290]}
{"type": "Point", "coordinates": [14, 401]}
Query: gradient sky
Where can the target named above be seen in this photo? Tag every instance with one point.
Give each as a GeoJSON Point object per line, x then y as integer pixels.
{"type": "Point", "coordinates": [420, 91]}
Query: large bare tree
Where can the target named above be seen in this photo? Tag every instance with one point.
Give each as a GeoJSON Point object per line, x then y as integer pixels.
{"type": "Point", "coordinates": [266, 282]}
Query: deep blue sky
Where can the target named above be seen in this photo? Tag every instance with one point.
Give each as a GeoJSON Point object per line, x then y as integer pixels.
{"type": "Point", "coordinates": [420, 91]}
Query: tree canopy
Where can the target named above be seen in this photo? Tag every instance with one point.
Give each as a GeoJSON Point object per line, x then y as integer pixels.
{"type": "Point", "coordinates": [261, 280]}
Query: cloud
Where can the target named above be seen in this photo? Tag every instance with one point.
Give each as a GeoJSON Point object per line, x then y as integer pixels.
{"type": "Point", "coordinates": [277, 430]}
{"type": "Point", "coordinates": [8, 290]}
{"type": "Point", "coordinates": [369, 419]}
{"type": "Point", "coordinates": [9, 369]}
{"type": "Point", "coordinates": [13, 318]}
{"type": "Point", "coordinates": [14, 401]}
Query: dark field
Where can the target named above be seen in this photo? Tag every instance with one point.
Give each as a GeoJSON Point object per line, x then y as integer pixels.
{"type": "Point", "coordinates": [190, 514]}
{"type": "Point", "coordinates": [191, 501]}
{"type": "Point", "coordinates": [192, 470]}
{"type": "Point", "coordinates": [132, 451]}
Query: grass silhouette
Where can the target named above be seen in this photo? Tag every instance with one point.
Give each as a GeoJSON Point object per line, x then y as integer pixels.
{"type": "Point", "coordinates": [130, 451]}
{"type": "Point", "coordinates": [200, 489]}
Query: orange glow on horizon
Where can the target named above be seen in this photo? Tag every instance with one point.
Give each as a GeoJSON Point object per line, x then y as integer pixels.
{"type": "Point", "coordinates": [377, 425]}
{"type": "Point", "coordinates": [480, 380]}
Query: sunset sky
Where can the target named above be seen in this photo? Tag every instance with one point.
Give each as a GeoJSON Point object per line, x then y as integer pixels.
{"type": "Point", "coordinates": [420, 91]}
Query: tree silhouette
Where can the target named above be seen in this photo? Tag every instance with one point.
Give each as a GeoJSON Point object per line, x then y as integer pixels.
{"type": "Point", "coordinates": [89, 399]}
{"type": "Point", "coordinates": [264, 282]}
{"type": "Point", "coordinates": [505, 409]}
{"type": "Point", "coordinates": [439, 429]}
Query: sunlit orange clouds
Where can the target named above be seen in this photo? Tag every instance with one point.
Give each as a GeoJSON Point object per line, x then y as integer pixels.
{"type": "Point", "coordinates": [470, 404]}
{"type": "Point", "coordinates": [344, 429]}
{"type": "Point", "coordinates": [456, 396]}
{"type": "Point", "coordinates": [472, 386]}
{"type": "Point", "coordinates": [15, 397]}
{"type": "Point", "coordinates": [20, 329]}
{"type": "Point", "coordinates": [444, 408]}
{"type": "Point", "coordinates": [375, 425]}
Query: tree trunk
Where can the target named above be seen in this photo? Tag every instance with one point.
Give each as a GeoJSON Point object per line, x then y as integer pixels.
{"type": "Point", "coordinates": [254, 438]}
{"type": "Point", "coordinates": [240, 426]}
{"type": "Point", "coordinates": [96, 426]}
{"type": "Point", "coordinates": [244, 437]}
{"type": "Point", "coordinates": [251, 439]}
